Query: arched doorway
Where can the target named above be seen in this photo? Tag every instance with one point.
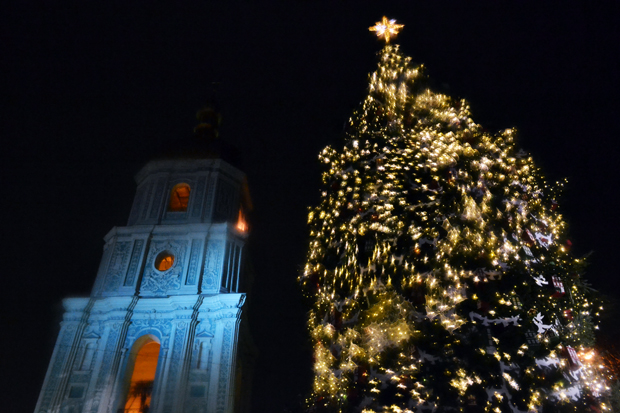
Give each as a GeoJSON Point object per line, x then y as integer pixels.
{"type": "Point", "coordinates": [142, 375]}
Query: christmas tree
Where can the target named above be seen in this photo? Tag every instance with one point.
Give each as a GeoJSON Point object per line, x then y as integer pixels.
{"type": "Point", "coordinates": [439, 269]}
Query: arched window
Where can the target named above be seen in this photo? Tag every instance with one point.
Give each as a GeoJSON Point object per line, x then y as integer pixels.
{"type": "Point", "coordinates": [179, 198]}
{"type": "Point", "coordinates": [142, 375]}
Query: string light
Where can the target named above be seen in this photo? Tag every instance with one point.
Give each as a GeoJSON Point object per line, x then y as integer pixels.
{"type": "Point", "coordinates": [438, 263]}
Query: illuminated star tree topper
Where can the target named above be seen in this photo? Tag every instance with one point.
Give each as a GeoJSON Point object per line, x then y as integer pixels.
{"type": "Point", "coordinates": [386, 28]}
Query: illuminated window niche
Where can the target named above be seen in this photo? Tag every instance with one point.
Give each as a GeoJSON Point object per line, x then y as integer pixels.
{"type": "Point", "coordinates": [242, 224]}
{"type": "Point", "coordinates": [142, 367]}
{"type": "Point", "coordinates": [179, 198]}
{"type": "Point", "coordinates": [164, 261]}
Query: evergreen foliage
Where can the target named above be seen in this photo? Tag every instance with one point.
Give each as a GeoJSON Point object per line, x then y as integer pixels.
{"type": "Point", "coordinates": [439, 268]}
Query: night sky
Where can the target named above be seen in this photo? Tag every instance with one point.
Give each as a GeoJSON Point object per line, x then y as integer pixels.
{"type": "Point", "coordinates": [91, 92]}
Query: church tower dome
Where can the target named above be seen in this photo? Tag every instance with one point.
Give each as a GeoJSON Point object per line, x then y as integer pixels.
{"type": "Point", "coordinates": [163, 329]}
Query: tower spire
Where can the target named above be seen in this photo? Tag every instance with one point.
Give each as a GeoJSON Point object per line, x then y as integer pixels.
{"type": "Point", "coordinates": [209, 122]}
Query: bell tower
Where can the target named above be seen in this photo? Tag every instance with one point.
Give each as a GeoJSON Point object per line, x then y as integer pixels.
{"type": "Point", "coordinates": [163, 329]}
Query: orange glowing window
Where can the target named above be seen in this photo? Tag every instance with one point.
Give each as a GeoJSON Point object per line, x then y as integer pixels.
{"type": "Point", "coordinates": [164, 261]}
{"type": "Point", "coordinates": [141, 385]}
{"type": "Point", "coordinates": [179, 197]}
{"type": "Point", "coordinates": [242, 225]}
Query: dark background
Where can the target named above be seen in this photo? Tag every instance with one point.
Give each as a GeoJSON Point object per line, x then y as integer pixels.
{"type": "Point", "coordinates": [89, 92]}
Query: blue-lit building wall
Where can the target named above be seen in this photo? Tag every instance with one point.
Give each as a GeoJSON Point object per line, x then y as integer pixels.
{"type": "Point", "coordinates": [192, 309]}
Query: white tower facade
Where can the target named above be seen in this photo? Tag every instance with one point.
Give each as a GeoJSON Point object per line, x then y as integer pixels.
{"type": "Point", "coordinates": [161, 329]}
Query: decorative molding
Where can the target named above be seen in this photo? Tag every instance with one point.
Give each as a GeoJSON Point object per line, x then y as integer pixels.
{"type": "Point", "coordinates": [197, 201]}
{"type": "Point", "coordinates": [137, 204]}
{"type": "Point", "coordinates": [225, 368]}
{"type": "Point", "coordinates": [117, 266]}
{"type": "Point", "coordinates": [159, 327]}
{"type": "Point", "coordinates": [101, 272]}
{"type": "Point", "coordinates": [105, 366]}
{"type": "Point", "coordinates": [208, 202]}
{"type": "Point", "coordinates": [158, 194]}
{"type": "Point", "coordinates": [175, 365]}
{"type": "Point", "coordinates": [225, 200]}
{"type": "Point", "coordinates": [136, 254]}
{"type": "Point", "coordinates": [194, 260]}
{"type": "Point", "coordinates": [213, 266]}
{"type": "Point", "coordinates": [80, 377]}
{"type": "Point", "coordinates": [161, 282]}
{"type": "Point", "coordinates": [148, 197]}
{"type": "Point", "coordinates": [60, 354]}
